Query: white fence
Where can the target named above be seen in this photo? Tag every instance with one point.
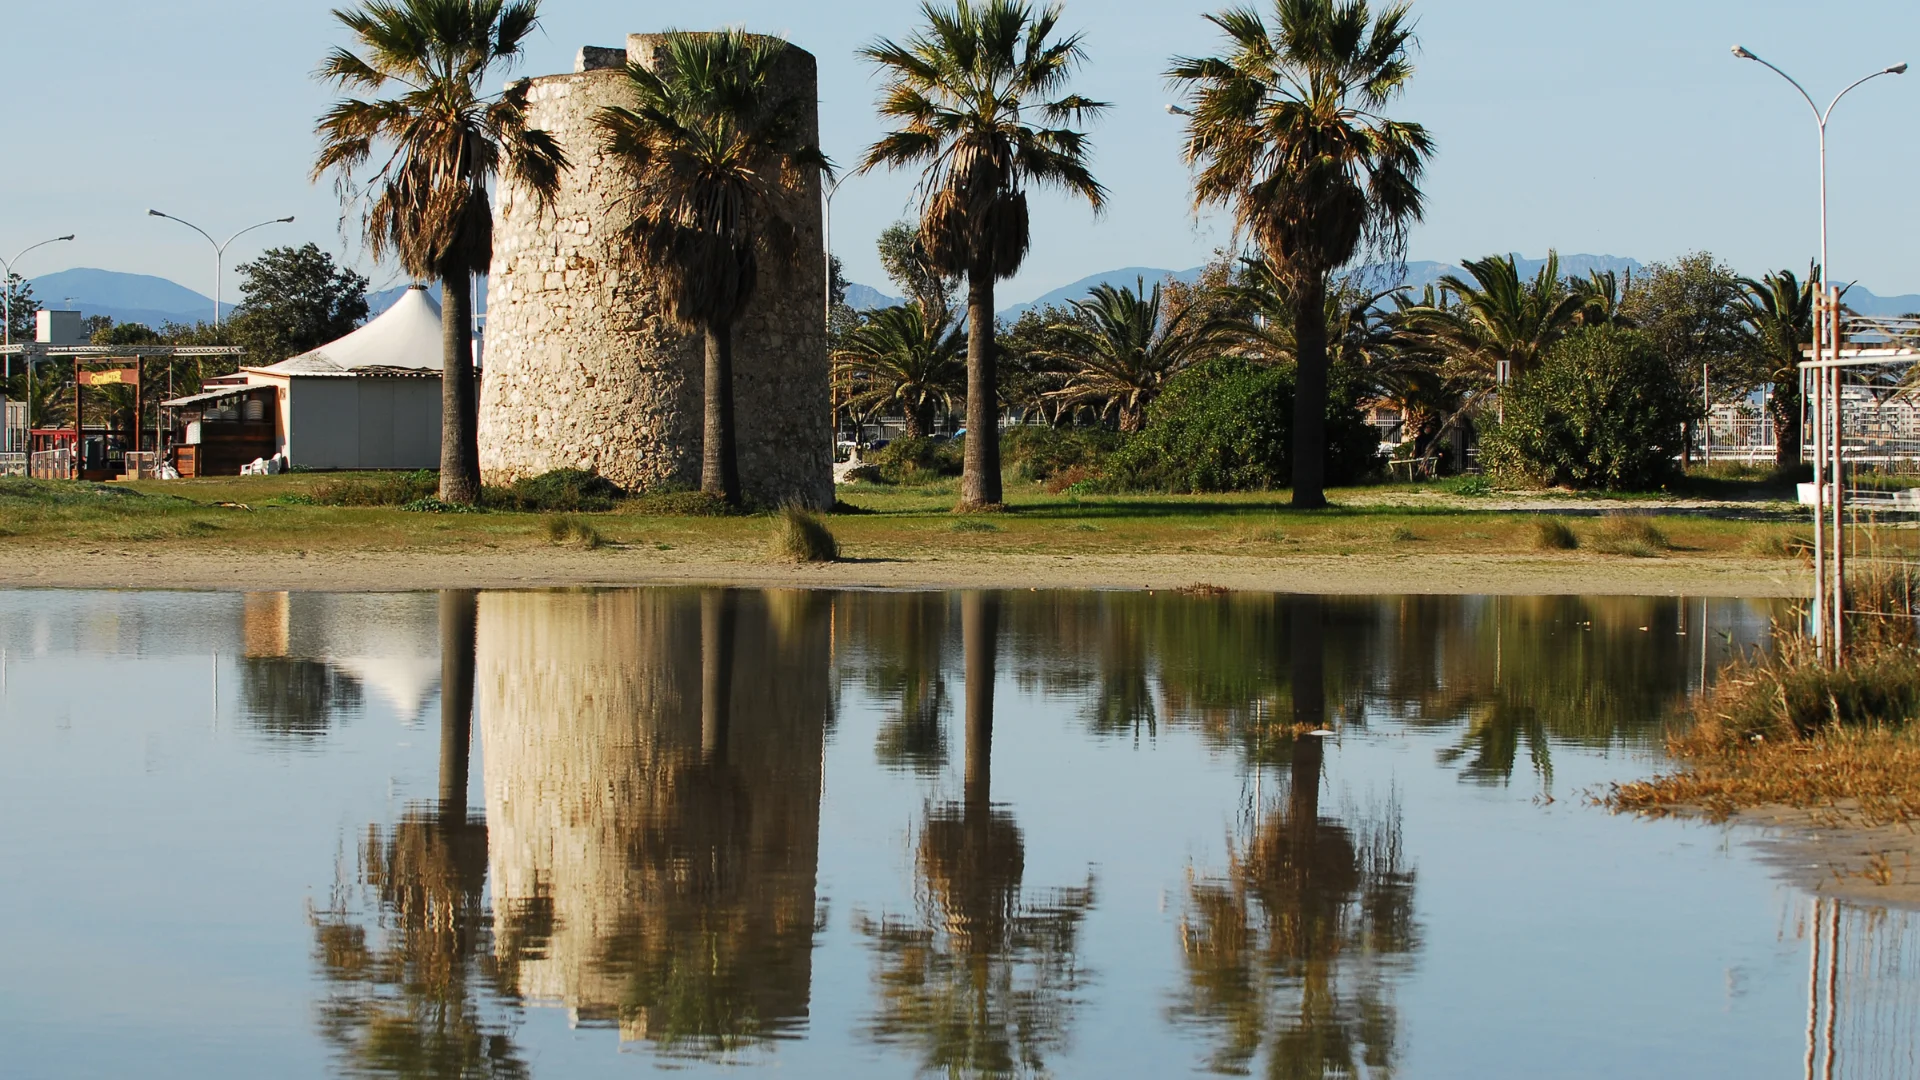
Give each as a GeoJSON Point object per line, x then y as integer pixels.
{"type": "Point", "coordinates": [13, 464]}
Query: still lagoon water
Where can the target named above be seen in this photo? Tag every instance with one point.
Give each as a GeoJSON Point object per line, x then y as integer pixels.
{"type": "Point", "coordinates": [609, 833]}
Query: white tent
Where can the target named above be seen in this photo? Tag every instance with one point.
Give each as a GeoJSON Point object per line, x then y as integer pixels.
{"type": "Point", "coordinates": [406, 335]}
{"type": "Point", "coordinates": [370, 400]}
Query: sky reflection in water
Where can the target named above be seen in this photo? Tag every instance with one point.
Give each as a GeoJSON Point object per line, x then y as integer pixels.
{"type": "Point", "coordinates": [863, 834]}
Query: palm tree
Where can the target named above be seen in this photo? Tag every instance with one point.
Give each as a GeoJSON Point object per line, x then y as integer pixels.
{"type": "Point", "coordinates": [1602, 297]}
{"type": "Point", "coordinates": [963, 90]}
{"type": "Point", "coordinates": [1778, 311]}
{"type": "Point", "coordinates": [898, 357]}
{"type": "Point", "coordinates": [1496, 318]}
{"type": "Point", "coordinates": [1287, 131]}
{"type": "Point", "coordinates": [717, 149]}
{"type": "Point", "coordinates": [445, 140]}
{"type": "Point", "coordinates": [1123, 351]}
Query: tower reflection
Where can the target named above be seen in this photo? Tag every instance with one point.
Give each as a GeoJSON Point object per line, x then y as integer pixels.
{"type": "Point", "coordinates": [653, 780]}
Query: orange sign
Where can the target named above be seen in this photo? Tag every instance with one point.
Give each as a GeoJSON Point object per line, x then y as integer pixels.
{"type": "Point", "coordinates": [126, 376]}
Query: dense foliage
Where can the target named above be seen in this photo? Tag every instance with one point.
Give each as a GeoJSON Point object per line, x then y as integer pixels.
{"type": "Point", "coordinates": [1227, 425]}
{"type": "Point", "coordinates": [297, 299]}
{"type": "Point", "coordinates": [1600, 410]}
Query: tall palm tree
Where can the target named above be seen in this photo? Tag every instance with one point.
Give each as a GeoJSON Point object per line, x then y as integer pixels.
{"type": "Point", "coordinates": [1496, 318]}
{"type": "Point", "coordinates": [1778, 311]}
{"type": "Point", "coordinates": [1287, 130]}
{"type": "Point", "coordinates": [964, 90]}
{"type": "Point", "coordinates": [716, 146]}
{"type": "Point", "coordinates": [898, 357]}
{"type": "Point", "coordinates": [1122, 352]}
{"type": "Point", "coordinates": [1602, 297]}
{"type": "Point", "coordinates": [445, 139]}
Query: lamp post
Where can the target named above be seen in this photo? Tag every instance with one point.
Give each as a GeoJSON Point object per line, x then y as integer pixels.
{"type": "Point", "coordinates": [826, 239]}
{"type": "Point", "coordinates": [1826, 385]}
{"type": "Point", "coordinates": [219, 250]}
{"type": "Point", "coordinates": [6, 297]}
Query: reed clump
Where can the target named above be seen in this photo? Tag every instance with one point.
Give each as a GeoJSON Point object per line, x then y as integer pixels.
{"type": "Point", "coordinates": [569, 531]}
{"type": "Point", "coordinates": [800, 536]}
{"type": "Point", "coordinates": [1784, 727]}
{"type": "Point", "coordinates": [1554, 534]}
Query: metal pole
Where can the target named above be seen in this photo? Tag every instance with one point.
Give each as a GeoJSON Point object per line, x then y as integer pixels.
{"type": "Point", "coordinates": [1839, 487]}
{"type": "Point", "coordinates": [1817, 379]}
{"type": "Point", "coordinates": [6, 308]}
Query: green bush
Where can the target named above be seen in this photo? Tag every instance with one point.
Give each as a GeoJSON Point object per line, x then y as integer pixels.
{"type": "Point", "coordinates": [1227, 425]}
{"type": "Point", "coordinates": [1039, 454]}
{"type": "Point", "coordinates": [1603, 410]}
{"type": "Point", "coordinates": [917, 461]}
{"type": "Point", "coordinates": [680, 503]}
{"type": "Point", "coordinates": [567, 491]}
{"type": "Point", "coordinates": [388, 489]}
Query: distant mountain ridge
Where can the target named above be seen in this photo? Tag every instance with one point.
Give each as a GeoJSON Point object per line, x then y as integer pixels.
{"type": "Point", "coordinates": [155, 301]}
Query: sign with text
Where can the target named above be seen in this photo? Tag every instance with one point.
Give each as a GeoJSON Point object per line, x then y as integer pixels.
{"type": "Point", "coordinates": [117, 376]}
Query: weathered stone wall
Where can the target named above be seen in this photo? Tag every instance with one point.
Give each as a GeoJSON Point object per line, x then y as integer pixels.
{"type": "Point", "coordinates": [583, 368]}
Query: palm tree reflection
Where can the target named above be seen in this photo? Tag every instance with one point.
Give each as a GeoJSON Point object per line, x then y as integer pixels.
{"type": "Point", "coordinates": [406, 949]}
{"type": "Point", "coordinates": [982, 978]}
{"type": "Point", "coordinates": [1290, 949]}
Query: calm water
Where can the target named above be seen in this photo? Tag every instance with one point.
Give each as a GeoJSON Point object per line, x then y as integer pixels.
{"type": "Point", "coordinates": [604, 833]}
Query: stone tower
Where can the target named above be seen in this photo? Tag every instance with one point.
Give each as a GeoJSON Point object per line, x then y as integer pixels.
{"type": "Point", "coordinates": [584, 369]}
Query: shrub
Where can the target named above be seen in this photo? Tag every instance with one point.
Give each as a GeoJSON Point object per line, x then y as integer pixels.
{"type": "Point", "coordinates": [558, 491]}
{"type": "Point", "coordinates": [918, 461]}
{"type": "Point", "coordinates": [432, 505]}
{"type": "Point", "coordinates": [1602, 410]}
{"type": "Point", "coordinates": [573, 532]}
{"type": "Point", "coordinates": [388, 489]}
{"type": "Point", "coordinates": [1040, 454]}
{"type": "Point", "coordinates": [1553, 534]}
{"type": "Point", "coordinates": [1471, 486]}
{"type": "Point", "coordinates": [799, 536]}
{"type": "Point", "coordinates": [680, 504]}
{"type": "Point", "coordinates": [1227, 425]}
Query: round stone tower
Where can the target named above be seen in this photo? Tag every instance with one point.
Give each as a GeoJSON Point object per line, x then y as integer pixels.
{"type": "Point", "coordinates": [583, 368]}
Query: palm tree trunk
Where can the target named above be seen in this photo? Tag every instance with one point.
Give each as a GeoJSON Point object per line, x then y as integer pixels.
{"type": "Point", "coordinates": [718, 614]}
{"type": "Point", "coordinates": [459, 391]}
{"type": "Point", "coordinates": [1785, 406]}
{"type": "Point", "coordinates": [1310, 395]}
{"type": "Point", "coordinates": [719, 446]}
{"type": "Point", "coordinates": [1308, 675]}
{"type": "Point", "coordinates": [980, 472]}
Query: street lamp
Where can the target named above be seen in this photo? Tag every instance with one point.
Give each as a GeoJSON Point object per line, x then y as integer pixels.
{"type": "Point", "coordinates": [1820, 119]}
{"type": "Point", "coordinates": [1178, 110]}
{"type": "Point", "coordinates": [219, 250]}
{"type": "Point", "coordinates": [826, 240]}
{"type": "Point", "coordinates": [6, 296]}
{"type": "Point", "coordinates": [1826, 384]}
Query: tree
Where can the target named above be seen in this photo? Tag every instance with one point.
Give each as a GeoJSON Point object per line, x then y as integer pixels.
{"type": "Point", "coordinates": [1496, 318]}
{"type": "Point", "coordinates": [1027, 362]}
{"type": "Point", "coordinates": [445, 140]}
{"type": "Point", "coordinates": [296, 300]}
{"type": "Point", "coordinates": [905, 260]}
{"type": "Point", "coordinates": [715, 148]}
{"type": "Point", "coordinates": [1778, 311]}
{"type": "Point", "coordinates": [961, 90]}
{"type": "Point", "coordinates": [1691, 311]}
{"type": "Point", "coordinates": [20, 308]}
{"type": "Point", "coordinates": [898, 357]}
{"type": "Point", "coordinates": [1287, 130]}
{"type": "Point", "coordinates": [1121, 350]}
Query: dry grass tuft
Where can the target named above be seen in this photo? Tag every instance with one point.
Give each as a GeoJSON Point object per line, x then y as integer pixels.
{"type": "Point", "coordinates": [1632, 535]}
{"type": "Point", "coordinates": [570, 531]}
{"type": "Point", "coordinates": [1401, 534]}
{"type": "Point", "coordinates": [1203, 588]}
{"type": "Point", "coordinates": [800, 536]}
{"type": "Point", "coordinates": [1554, 534]}
{"type": "Point", "coordinates": [974, 525]}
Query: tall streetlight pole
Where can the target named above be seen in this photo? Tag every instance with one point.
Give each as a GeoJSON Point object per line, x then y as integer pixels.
{"type": "Point", "coordinates": [6, 296]}
{"type": "Point", "coordinates": [826, 240]}
{"type": "Point", "coordinates": [1825, 384]}
{"type": "Point", "coordinates": [220, 250]}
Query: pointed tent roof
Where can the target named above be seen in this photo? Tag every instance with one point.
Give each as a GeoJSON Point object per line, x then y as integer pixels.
{"type": "Point", "coordinates": [402, 340]}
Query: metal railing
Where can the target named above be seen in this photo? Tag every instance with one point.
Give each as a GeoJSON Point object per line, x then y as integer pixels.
{"type": "Point", "coordinates": [13, 464]}
{"type": "Point", "coordinates": [52, 465]}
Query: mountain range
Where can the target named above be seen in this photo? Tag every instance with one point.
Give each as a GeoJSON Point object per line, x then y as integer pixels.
{"type": "Point", "coordinates": [155, 301]}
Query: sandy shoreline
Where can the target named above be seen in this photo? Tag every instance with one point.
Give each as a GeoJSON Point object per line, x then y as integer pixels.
{"type": "Point", "coordinates": [522, 567]}
{"type": "Point", "coordinates": [1828, 852]}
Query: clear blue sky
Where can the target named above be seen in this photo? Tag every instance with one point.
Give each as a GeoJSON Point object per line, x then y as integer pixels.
{"type": "Point", "coordinates": [1621, 128]}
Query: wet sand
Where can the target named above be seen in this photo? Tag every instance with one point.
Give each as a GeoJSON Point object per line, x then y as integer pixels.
{"type": "Point", "coordinates": [134, 565]}
{"type": "Point", "coordinates": [1829, 853]}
